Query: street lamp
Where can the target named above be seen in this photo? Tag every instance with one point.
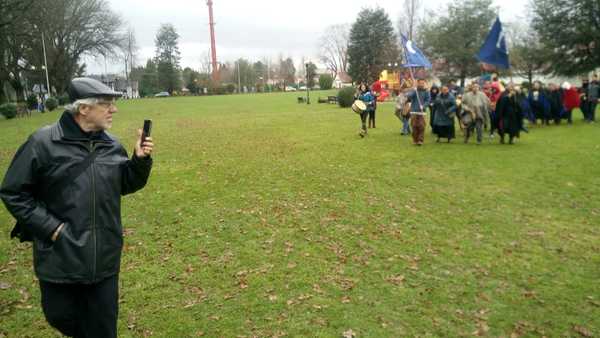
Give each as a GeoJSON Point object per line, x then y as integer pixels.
{"type": "Point", "coordinates": [307, 89]}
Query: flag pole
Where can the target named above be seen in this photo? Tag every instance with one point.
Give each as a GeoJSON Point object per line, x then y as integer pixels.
{"type": "Point", "coordinates": [411, 73]}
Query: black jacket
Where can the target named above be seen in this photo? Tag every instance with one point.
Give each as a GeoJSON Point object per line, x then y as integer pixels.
{"type": "Point", "coordinates": [37, 194]}
{"type": "Point", "coordinates": [509, 115]}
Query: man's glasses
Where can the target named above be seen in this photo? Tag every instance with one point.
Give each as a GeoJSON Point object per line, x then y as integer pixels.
{"type": "Point", "coordinates": [106, 103]}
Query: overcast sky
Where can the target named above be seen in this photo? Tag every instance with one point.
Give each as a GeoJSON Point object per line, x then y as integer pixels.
{"type": "Point", "coordinates": [252, 29]}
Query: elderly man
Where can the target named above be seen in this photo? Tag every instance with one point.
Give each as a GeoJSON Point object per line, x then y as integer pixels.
{"type": "Point", "coordinates": [479, 105]}
{"type": "Point", "coordinates": [64, 188]}
{"type": "Point", "coordinates": [419, 100]}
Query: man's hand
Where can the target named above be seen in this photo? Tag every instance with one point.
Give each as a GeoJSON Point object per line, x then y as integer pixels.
{"type": "Point", "coordinates": [145, 149]}
{"type": "Point", "coordinates": [56, 232]}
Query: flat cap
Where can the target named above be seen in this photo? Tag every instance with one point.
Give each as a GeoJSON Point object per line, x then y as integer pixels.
{"type": "Point", "coordinates": [85, 87]}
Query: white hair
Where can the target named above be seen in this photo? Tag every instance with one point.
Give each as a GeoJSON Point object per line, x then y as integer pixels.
{"type": "Point", "coordinates": [73, 108]}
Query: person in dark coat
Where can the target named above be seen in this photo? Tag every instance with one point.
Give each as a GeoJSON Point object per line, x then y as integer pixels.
{"type": "Point", "coordinates": [540, 106]}
{"type": "Point", "coordinates": [64, 188]}
{"type": "Point", "coordinates": [555, 100]}
{"type": "Point", "coordinates": [593, 96]}
{"type": "Point", "coordinates": [583, 98]}
{"type": "Point", "coordinates": [510, 116]}
{"type": "Point", "coordinates": [445, 110]}
{"type": "Point", "coordinates": [433, 93]}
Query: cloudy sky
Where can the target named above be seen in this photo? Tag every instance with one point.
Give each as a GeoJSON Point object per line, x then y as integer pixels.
{"type": "Point", "coordinates": [254, 30]}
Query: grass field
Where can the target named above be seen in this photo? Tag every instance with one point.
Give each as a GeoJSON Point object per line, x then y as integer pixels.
{"type": "Point", "coordinates": [268, 218]}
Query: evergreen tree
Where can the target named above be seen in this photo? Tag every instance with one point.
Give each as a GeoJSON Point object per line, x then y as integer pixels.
{"type": "Point", "coordinates": [148, 83]}
{"type": "Point", "coordinates": [325, 81]}
{"type": "Point", "coordinates": [167, 58]}
{"type": "Point", "coordinates": [372, 45]}
{"type": "Point", "coordinates": [571, 31]}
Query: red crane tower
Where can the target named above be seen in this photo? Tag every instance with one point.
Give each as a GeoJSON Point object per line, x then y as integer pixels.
{"type": "Point", "coordinates": [213, 49]}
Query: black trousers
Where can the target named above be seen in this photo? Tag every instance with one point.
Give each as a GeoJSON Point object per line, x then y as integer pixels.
{"type": "Point", "coordinates": [592, 110]}
{"type": "Point", "coordinates": [372, 118]}
{"type": "Point", "coordinates": [82, 310]}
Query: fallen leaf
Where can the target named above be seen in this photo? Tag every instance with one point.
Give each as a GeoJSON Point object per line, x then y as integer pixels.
{"type": "Point", "coordinates": [349, 334]}
{"type": "Point", "coordinates": [4, 286]}
{"type": "Point", "coordinates": [482, 330]}
{"type": "Point", "coordinates": [396, 280]}
{"type": "Point", "coordinates": [583, 331]}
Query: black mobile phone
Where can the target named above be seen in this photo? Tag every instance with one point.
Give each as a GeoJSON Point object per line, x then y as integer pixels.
{"type": "Point", "coordinates": [147, 130]}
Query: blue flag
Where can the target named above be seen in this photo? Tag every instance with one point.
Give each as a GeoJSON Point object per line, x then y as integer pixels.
{"type": "Point", "coordinates": [414, 56]}
{"type": "Point", "coordinates": [494, 50]}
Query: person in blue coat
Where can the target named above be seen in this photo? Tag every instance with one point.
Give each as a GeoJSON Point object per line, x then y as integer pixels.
{"type": "Point", "coordinates": [539, 103]}
{"type": "Point", "coordinates": [365, 95]}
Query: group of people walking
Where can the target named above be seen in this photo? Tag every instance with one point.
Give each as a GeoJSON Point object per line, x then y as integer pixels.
{"type": "Point", "coordinates": [555, 103]}
{"type": "Point", "coordinates": [474, 111]}
{"type": "Point", "coordinates": [482, 107]}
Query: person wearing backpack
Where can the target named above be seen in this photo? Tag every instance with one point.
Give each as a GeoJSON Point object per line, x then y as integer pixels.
{"type": "Point", "coordinates": [64, 188]}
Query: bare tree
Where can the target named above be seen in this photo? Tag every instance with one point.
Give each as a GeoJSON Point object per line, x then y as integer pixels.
{"type": "Point", "coordinates": [334, 48]}
{"type": "Point", "coordinates": [409, 18]}
{"type": "Point", "coordinates": [206, 63]}
{"type": "Point", "coordinates": [75, 28]}
{"type": "Point", "coordinates": [129, 50]}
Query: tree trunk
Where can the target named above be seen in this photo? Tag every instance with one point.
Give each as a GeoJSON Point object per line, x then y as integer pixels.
{"type": "Point", "coordinates": [18, 87]}
{"type": "Point", "coordinates": [3, 97]}
{"type": "Point", "coordinates": [530, 77]}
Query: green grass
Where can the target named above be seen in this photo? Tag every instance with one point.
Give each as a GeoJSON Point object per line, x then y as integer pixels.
{"type": "Point", "coordinates": [264, 217]}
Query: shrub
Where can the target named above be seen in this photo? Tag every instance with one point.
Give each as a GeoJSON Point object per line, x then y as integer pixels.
{"type": "Point", "coordinates": [51, 103]}
{"type": "Point", "coordinates": [325, 81]}
{"type": "Point", "coordinates": [220, 90]}
{"type": "Point", "coordinates": [346, 97]}
{"type": "Point", "coordinates": [230, 88]}
{"type": "Point", "coordinates": [63, 99]}
{"type": "Point", "coordinates": [32, 101]}
{"type": "Point", "coordinates": [9, 110]}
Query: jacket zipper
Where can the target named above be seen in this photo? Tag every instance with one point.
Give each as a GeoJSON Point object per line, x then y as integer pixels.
{"type": "Point", "coordinates": [92, 148]}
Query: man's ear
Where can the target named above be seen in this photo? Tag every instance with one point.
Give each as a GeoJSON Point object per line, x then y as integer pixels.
{"type": "Point", "coordinates": [84, 109]}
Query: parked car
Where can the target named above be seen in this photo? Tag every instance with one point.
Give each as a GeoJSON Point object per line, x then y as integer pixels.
{"type": "Point", "coordinates": [162, 94]}
{"type": "Point", "coordinates": [290, 89]}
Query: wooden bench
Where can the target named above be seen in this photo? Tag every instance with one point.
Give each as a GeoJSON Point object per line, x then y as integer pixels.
{"type": "Point", "coordinates": [332, 99]}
